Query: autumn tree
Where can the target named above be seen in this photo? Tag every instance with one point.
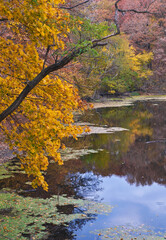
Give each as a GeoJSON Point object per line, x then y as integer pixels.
{"type": "Point", "coordinates": [143, 21]}
{"type": "Point", "coordinates": [147, 32]}
{"type": "Point", "coordinates": [118, 67]}
{"type": "Point", "coordinates": [115, 68]}
{"type": "Point", "coordinates": [36, 119]}
{"type": "Point", "coordinates": [37, 105]}
{"type": "Point", "coordinates": [38, 124]}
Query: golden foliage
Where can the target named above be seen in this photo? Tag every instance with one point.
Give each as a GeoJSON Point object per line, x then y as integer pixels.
{"type": "Point", "coordinates": [128, 69]}
{"type": "Point", "coordinates": [45, 117]}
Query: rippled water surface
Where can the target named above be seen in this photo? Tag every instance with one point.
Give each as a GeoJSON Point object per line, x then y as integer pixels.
{"type": "Point", "coordinates": [119, 175]}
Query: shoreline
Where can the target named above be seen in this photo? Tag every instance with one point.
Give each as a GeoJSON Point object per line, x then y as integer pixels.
{"type": "Point", "coordinates": [6, 154]}
{"type": "Point", "coordinates": [125, 101]}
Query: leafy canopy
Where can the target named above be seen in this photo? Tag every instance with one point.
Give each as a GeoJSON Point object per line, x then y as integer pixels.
{"type": "Point", "coordinates": [128, 69]}
{"type": "Point", "coordinates": [45, 117]}
{"type": "Point", "coordinates": [116, 67]}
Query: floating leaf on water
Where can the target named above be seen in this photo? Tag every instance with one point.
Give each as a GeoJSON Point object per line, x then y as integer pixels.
{"type": "Point", "coordinates": [128, 232]}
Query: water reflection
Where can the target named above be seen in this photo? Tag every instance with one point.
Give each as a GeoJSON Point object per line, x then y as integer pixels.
{"type": "Point", "coordinates": [140, 153]}
{"type": "Point", "coordinates": [72, 179]}
{"type": "Point", "coordinates": [137, 157]}
{"type": "Point", "coordinates": [62, 232]}
{"type": "Point", "coordinates": [134, 206]}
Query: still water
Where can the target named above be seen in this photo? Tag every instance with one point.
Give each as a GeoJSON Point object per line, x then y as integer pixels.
{"type": "Point", "coordinates": [122, 170]}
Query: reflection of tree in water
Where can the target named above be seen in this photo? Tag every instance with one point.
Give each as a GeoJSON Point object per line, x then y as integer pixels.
{"type": "Point", "coordinates": [145, 164]}
{"type": "Point", "coordinates": [138, 154]}
{"type": "Point", "coordinates": [146, 160]}
{"type": "Point", "coordinates": [72, 179]}
{"type": "Point", "coordinates": [59, 232]}
{"type": "Point", "coordinates": [62, 232]}
{"type": "Point", "coordinates": [61, 179]}
{"type": "Point", "coordinates": [84, 184]}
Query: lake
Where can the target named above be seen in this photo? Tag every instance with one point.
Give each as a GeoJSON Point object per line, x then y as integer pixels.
{"type": "Point", "coordinates": [112, 184]}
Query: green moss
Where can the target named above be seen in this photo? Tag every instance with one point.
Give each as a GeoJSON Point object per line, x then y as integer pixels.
{"type": "Point", "coordinates": [4, 173]}
{"type": "Point", "coordinates": [20, 215]}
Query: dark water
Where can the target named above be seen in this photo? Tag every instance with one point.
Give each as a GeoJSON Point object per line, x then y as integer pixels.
{"type": "Point", "coordinates": [127, 171]}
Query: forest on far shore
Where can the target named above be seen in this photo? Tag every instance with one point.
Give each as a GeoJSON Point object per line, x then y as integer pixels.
{"type": "Point", "coordinates": [55, 54]}
{"type": "Point", "coordinates": [134, 60]}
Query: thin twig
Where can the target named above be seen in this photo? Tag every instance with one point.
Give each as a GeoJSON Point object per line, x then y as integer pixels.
{"type": "Point", "coordinates": [48, 49]}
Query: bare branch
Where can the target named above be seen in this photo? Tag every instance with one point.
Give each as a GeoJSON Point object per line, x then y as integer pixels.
{"type": "Point", "coordinates": [48, 49]}
{"type": "Point", "coordinates": [98, 44]}
{"type": "Point", "coordinates": [116, 23]}
{"type": "Point", "coordinates": [151, 4]}
{"type": "Point", "coordinates": [133, 10]}
{"type": "Point", "coordinates": [74, 83]}
{"type": "Point", "coordinates": [3, 19]}
{"type": "Point", "coordinates": [116, 17]}
{"type": "Point", "coordinates": [63, 78]}
{"type": "Point", "coordinates": [70, 8]}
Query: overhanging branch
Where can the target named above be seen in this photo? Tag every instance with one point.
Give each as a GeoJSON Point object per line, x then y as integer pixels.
{"type": "Point", "coordinates": [133, 10]}
{"type": "Point", "coordinates": [63, 61]}
{"type": "Point", "coordinates": [57, 65]}
{"type": "Point", "coordinates": [45, 71]}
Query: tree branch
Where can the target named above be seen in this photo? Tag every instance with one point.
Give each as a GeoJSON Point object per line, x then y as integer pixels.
{"type": "Point", "coordinates": [54, 67]}
{"type": "Point", "coordinates": [151, 4]}
{"type": "Point", "coordinates": [3, 19]}
{"type": "Point", "coordinates": [58, 65]}
{"type": "Point", "coordinates": [116, 23]}
{"type": "Point", "coordinates": [70, 8]}
{"type": "Point", "coordinates": [133, 10]}
{"type": "Point", "coordinates": [48, 49]}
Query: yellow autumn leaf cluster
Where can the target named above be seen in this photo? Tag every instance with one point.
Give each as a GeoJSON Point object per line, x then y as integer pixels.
{"type": "Point", "coordinates": [38, 20]}
{"type": "Point", "coordinates": [127, 68]}
{"type": "Point", "coordinates": [45, 117]}
{"type": "Point", "coordinates": [136, 62]}
{"type": "Point", "coordinates": [40, 124]}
